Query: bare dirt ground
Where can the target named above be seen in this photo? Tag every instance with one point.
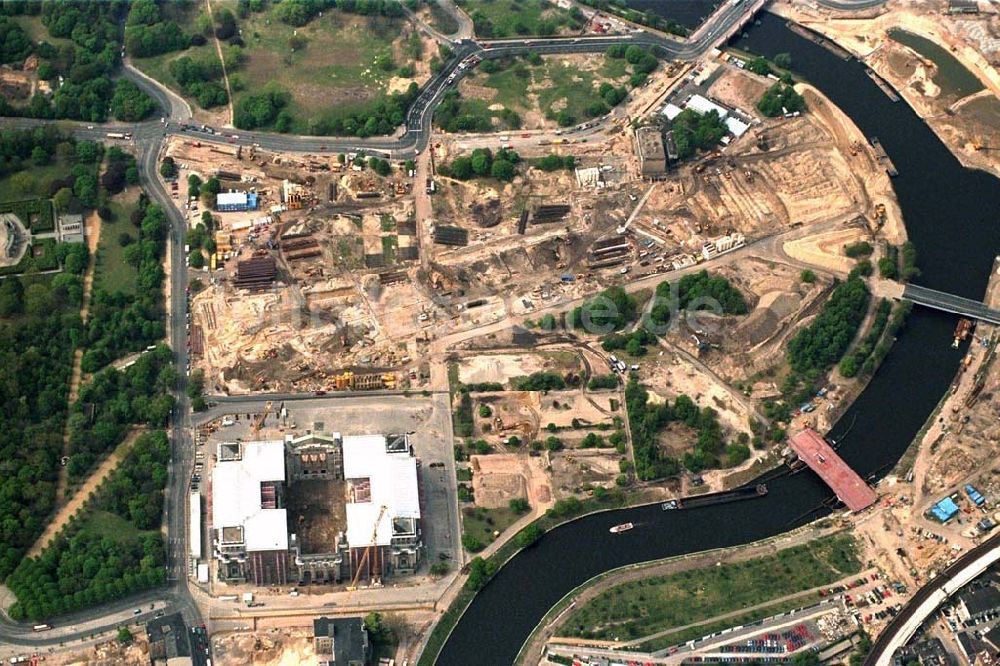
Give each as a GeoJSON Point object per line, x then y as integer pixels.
{"type": "Point", "coordinates": [826, 250]}
{"type": "Point", "coordinates": [83, 493]}
{"type": "Point", "coordinates": [92, 236]}
{"type": "Point", "coordinates": [277, 647]}
{"type": "Point", "coordinates": [499, 478]}
{"type": "Point", "coordinates": [111, 652]}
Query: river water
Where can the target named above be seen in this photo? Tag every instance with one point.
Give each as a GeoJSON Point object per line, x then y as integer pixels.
{"type": "Point", "coordinates": [689, 13]}
{"type": "Point", "coordinates": [951, 216]}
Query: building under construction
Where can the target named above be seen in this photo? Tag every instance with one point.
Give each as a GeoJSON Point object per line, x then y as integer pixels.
{"type": "Point", "coordinates": [316, 509]}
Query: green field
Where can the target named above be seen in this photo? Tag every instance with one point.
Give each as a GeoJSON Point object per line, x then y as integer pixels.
{"type": "Point", "coordinates": [441, 20]}
{"type": "Point", "coordinates": [109, 525]}
{"type": "Point", "coordinates": [953, 77]}
{"type": "Point", "coordinates": [32, 183]}
{"type": "Point", "coordinates": [505, 18]}
{"type": "Point", "coordinates": [335, 73]}
{"type": "Point", "coordinates": [111, 273]}
{"type": "Point", "coordinates": [558, 84]}
{"type": "Point", "coordinates": [481, 523]}
{"type": "Point", "coordinates": [644, 607]}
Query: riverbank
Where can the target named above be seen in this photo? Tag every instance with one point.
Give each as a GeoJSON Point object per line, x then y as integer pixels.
{"type": "Point", "coordinates": [966, 121]}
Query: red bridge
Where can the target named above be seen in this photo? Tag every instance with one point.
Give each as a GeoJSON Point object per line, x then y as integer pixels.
{"type": "Point", "coordinates": [813, 450]}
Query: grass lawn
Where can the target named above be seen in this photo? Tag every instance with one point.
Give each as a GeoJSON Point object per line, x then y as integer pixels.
{"type": "Point", "coordinates": [481, 523]}
{"type": "Point", "coordinates": [38, 32]}
{"type": "Point", "coordinates": [644, 607]}
{"type": "Point", "coordinates": [389, 245]}
{"type": "Point", "coordinates": [111, 525]}
{"type": "Point", "coordinates": [333, 74]}
{"type": "Point", "coordinates": [559, 83]}
{"type": "Point", "coordinates": [463, 474]}
{"type": "Point", "coordinates": [111, 273]}
{"type": "Point", "coordinates": [505, 18]}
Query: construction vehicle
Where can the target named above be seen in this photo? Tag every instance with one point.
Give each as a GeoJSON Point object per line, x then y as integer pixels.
{"type": "Point", "coordinates": [258, 422]}
{"type": "Point", "coordinates": [367, 556]}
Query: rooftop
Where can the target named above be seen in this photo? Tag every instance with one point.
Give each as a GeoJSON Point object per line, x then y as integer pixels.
{"type": "Point", "coordinates": [391, 482]}
{"type": "Point", "coordinates": [982, 600]}
{"type": "Point", "coordinates": [650, 142]}
{"type": "Point", "coordinates": [815, 452]}
{"type": "Point", "coordinates": [350, 639]}
{"type": "Point", "coordinates": [237, 495]}
{"type": "Point", "coordinates": [701, 104]}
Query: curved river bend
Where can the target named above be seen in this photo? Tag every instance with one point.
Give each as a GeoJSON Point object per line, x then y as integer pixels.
{"type": "Point", "coordinates": [951, 216]}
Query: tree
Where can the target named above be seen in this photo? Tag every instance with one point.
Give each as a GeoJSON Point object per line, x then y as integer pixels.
{"type": "Point", "coordinates": [129, 103]}
{"type": "Point", "coordinates": [168, 168]}
{"type": "Point", "coordinates": [807, 276]}
{"type": "Point", "coordinates": [519, 505]}
{"type": "Point", "coordinates": [783, 60]}
{"type": "Point", "coordinates": [461, 168]}
{"type": "Point", "coordinates": [480, 572]}
{"type": "Point", "coordinates": [503, 170]}
{"type": "Point", "coordinates": [529, 535]}
{"type": "Point", "coordinates": [124, 636]}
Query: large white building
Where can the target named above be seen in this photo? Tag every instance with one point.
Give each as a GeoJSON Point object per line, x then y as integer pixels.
{"type": "Point", "coordinates": [249, 521]}
{"type": "Point", "coordinates": [375, 482]}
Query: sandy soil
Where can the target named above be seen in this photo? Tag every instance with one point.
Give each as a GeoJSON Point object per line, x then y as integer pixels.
{"type": "Point", "coordinates": [826, 250]}
{"type": "Point", "coordinates": [501, 477]}
{"type": "Point", "coordinates": [285, 647]}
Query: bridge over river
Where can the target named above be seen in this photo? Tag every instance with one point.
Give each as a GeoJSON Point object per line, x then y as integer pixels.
{"type": "Point", "coordinates": [936, 300]}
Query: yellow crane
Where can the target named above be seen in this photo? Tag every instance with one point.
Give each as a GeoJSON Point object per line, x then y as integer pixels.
{"type": "Point", "coordinates": [258, 423]}
{"type": "Point", "coordinates": [364, 558]}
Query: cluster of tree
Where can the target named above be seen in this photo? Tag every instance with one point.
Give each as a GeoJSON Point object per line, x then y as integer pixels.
{"type": "Point", "coordinates": [36, 355]}
{"type": "Point", "coordinates": [866, 356]}
{"type": "Point", "coordinates": [454, 114]}
{"type": "Point", "coordinates": [646, 421]}
{"type": "Point", "coordinates": [484, 27]}
{"type": "Point", "coordinates": [482, 387]}
{"type": "Point", "coordinates": [695, 131]}
{"type": "Point", "coordinates": [134, 491]}
{"type": "Point", "coordinates": [480, 572]}
{"type": "Point", "coordinates": [633, 343]}
{"type": "Point", "coordinates": [643, 63]}
{"type": "Point", "coordinates": [200, 79]}
{"type": "Point", "coordinates": [858, 250]}
{"type": "Point", "coordinates": [120, 171]}
{"type": "Point", "coordinates": [300, 12]}
{"type": "Point", "coordinates": [888, 266]}
{"type": "Point", "coordinates": [23, 149]}
{"type": "Point", "coordinates": [84, 566]}
{"type": "Point", "coordinates": [908, 256]}
{"type": "Point", "coordinates": [650, 18]}
{"type": "Point", "coordinates": [86, 62]}
{"type": "Point", "coordinates": [120, 322]}
{"type": "Point", "coordinates": [129, 103]}
{"type": "Point", "coordinates": [482, 163]}
{"type": "Point", "coordinates": [462, 421]}
{"type": "Point", "coordinates": [555, 162]}
{"type": "Point", "coordinates": [699, 289]}
{"type": "Point", "coordinates": [147, 34]}
{"type": "Point", "coordinates": [113, 401]}
{"type": "Point", "coordinates": [759, 65]}
{"type": "Point", "coordinates": [538, 381]}
{"type": "Point", "coordinates": [225, 24]}
{"type": "Point", "coordinates": [821, 344]}
{"type": "Point", "coordinates": [15, 44]}
{"type": "Point", "coordinates": [591, 441]}
{"type": "Point", "coordinates": [168, 167]}
{"type": "Point", "coordinates": [780, 99]}
{"type": "Point", "coordinates": [598, 382]}
{"type": "Point", "coordinates": [261, 109]}
{"type": "Point", "coordinates": [611, 310]}
{"type": "Point", "coordinates": [529, 535]}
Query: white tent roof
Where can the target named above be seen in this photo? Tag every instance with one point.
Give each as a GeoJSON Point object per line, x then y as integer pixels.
{"type": "Point", "coordinates": [231, 199]}
{"type": "Point", "coordinates": [393, 480]}
{"type": "Point", "coordinates": [736, 126]}
{"type": "Point", "coordinates": [236, 495]}
{"type": "Point", "coordinates": [704, 105]}
{"type": "Point", "coordinates": [671, 111]}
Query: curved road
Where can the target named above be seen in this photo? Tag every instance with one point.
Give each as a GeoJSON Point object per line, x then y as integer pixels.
{"type": "Point", "coordinates": [147, 141]}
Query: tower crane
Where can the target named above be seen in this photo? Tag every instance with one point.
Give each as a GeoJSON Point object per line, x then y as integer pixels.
{"type": "Point", "coordinates": [367, 555]}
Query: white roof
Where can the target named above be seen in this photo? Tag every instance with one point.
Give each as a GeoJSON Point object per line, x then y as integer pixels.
{"type": "Point", "coordinates": [393, 479]}
{"type": "Point", "coordinates": [703, 105]}
{"type": "Point", "coordinates": [736, 126]}
{"type": "Point", "coordinates": [231, 199]}
{"type": "Point", "coordinates": [236, 495]}
{"type": "Point", "coordinates": [671, 111]}
{"type": "Point", "coordinates": [195, 531]}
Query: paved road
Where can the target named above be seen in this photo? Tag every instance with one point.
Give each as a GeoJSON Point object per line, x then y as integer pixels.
{"type": "Point", "coordinates": [147, 141]}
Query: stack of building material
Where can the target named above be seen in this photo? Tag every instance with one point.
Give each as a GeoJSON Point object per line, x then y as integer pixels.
{"type": "Point", "coordinates": [256, 273]}
{"type": "Point", "coordinates": [444, 235]}
{"type": "Point", "coordinates": [548, 214]}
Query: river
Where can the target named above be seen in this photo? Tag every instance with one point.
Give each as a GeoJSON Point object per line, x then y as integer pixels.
{"type": "Point", "coordinates": [950, 215]}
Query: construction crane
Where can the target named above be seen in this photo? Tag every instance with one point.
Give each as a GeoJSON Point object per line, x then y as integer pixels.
{"type": "Point", "coordinates": [365, 558]}
{"type": "Point", "coordinates": [258, 423]}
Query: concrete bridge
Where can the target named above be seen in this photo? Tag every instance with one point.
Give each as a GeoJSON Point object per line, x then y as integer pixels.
{"type": "Point", "coordinates": [939, 300]}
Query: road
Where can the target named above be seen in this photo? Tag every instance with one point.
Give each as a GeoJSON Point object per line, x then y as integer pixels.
{"type": "Point", "coordinates": [147, 141]}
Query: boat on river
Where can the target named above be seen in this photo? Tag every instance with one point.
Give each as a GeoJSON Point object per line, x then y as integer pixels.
{"type": "Point", "coordinates": [624, 527]}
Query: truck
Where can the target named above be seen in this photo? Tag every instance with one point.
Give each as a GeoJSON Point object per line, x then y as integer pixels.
{"type": "Point", "coordinates": [119, 135]}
